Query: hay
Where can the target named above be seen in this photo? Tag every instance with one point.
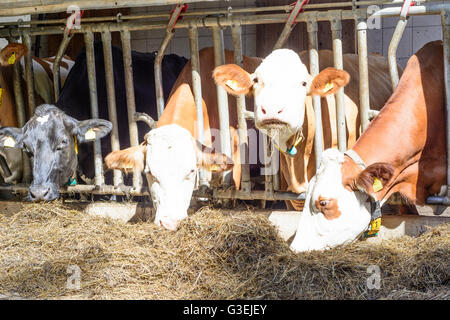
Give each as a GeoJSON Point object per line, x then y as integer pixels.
{"type": "Point", "coordinates": [214, 255]}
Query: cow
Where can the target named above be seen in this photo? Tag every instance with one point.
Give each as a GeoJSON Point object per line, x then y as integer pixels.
{"type": "Point", "coordinates": [74, 99]}
{"type": "Point", "coordinates": [402, 151]}
{"type": "Point", "coordinates": [283, 88]}
{"type": "Point", "coordinates": [51, 140]}
{"type": "Point", "coordinates": [171, 154]}
{"type": "Point", "coordinates": [12, 159]}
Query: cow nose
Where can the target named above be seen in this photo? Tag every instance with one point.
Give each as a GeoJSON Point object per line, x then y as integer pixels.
{"type": "Point", "coordinates": [39, 193]}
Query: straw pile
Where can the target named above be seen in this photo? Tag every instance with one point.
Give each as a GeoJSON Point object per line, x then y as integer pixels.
{"type": "Point", "coordinates": [214, 255]}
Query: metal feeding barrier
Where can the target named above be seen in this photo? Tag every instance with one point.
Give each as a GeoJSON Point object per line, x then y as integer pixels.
{"type": "Point", "coordinates": [217, 21]}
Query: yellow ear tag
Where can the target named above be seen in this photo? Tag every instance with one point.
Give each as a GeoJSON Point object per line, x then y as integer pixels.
{"type": "Point", "coordinates": [9, 142]}
{"type": "Point", "coordinates": [12, 58]}
{"type": "Point", "coordinates": [232, 84]}
{"type": "Point", "coordinates": [328, 87]}
{"type": "Point", "coordinates": [214, 167]}
{"type": "Point", "coordinates": [89, 135]}
{"type": "Point", "coordinates": [375, 226]}
{"type": "Point", "coordinates": [377, 185]}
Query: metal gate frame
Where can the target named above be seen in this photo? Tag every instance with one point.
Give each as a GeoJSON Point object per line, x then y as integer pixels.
{"type": "Point", "coordinates": [234, 19]}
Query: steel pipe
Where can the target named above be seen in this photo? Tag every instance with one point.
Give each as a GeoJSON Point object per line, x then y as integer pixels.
{"type": "Point", "coordinates": [314, 70]}
{"type": "Point", "coordinates": [222, 102]}
{"type": "Point", "coordinates": [445, 15]}
{"type": "Point", "coordinates": [90, 61]}
{"type": "Point", "coordinates": [392, 51]}
{"type": "Point", "coordinates": [159, 58]}
{"type": "Point", "coordinates": [111, 97]}
{"type": "Point", "coordinates": [364, 98]}
{"type": "Point", "coordinates": [29, 75]}
{"type": "Point", "coordinates": [158, 73]}
{"type": "Point", "coordinates": [290, 24]}
{"type": "Point", "coordinates": [67, 36]}
{"type": "Point", "coordinates": [236, 33]}
{"type": "Point", "coordinates": [197, 90]}
{"type": "Point", "coordinates": [131, 103]}
{"type": "Point", "coordinates": [336, 31]}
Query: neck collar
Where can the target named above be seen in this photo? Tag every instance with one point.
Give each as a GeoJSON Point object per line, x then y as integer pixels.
{"type": "Point", "coordinates": [292, 150]}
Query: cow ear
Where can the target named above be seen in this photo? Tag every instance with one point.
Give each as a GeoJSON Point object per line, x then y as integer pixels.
{"type": "Point", "coordinates": [12, 53]}
{"type": "Point", "coordinates": [127, 160]}
{"type": "Point", "coordinates": [92, 129]}
{"type": "Point", "coordinates": [375, 177]}
{"type": "Point", "coordinates": [11, 137]}
{"type": "Point", "coordinates": [328, 81]}
{"type": "Point", "coordinates": [212, 161]}
{"type": "Point", "coordinates": [233, 79]}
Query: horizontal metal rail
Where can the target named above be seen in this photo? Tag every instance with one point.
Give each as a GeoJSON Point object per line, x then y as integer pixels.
{"type": "Point", "coordinates": [431, 8]}
{"type": "Point", "coordinates": [130, 191]}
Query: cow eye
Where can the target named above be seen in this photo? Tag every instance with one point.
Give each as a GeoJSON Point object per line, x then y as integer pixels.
{"type": "Point", "coordinates": [62, 145]}
{"type": "Point", "coordinates": [323, 203]}
{"type": "Point", "coordinates": [255, 80]}
{"type": "Point", "coordinates": [304, 83]}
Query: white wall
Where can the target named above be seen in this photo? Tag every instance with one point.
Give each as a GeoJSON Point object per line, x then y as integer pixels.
{"type": "Point", "coordinates": [419, 30]}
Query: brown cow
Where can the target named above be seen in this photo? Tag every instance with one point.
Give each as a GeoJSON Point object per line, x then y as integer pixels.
{"type": "Point", "coordinates": [283, 90]}
{"type": "Point", "coordinates": [171, 153]}
{"type": "Point", "coordinates": [403, 150]}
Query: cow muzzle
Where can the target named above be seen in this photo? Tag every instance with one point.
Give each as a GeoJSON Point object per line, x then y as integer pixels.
{"type": "Point", "coordinates": [43, 193]}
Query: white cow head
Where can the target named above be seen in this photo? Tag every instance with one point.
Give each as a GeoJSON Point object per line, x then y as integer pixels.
{"type": "Point", "coordinates": [337, 212]}
{"type": "Point", "coordinates": [170, 158]}
{"type": "Point", "coordinates": [280, 85]}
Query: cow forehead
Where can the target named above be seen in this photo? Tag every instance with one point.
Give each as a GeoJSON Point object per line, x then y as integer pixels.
{"type": "Point", "coordinates": [170, 148]}
{"type": "Point", "coordinates": [282, 64]}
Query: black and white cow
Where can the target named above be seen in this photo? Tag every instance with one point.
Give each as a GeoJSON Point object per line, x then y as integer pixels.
{"type": "Point", "coordinates": [50, 138]}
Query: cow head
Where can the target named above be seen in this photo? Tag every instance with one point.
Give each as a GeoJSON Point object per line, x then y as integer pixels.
{"type": "Point", "coordinates": [12, 53]}
{"type": "Point", "coordinates": [337, 209]}
{"type": "Point", "coordinates": [50, 138]}
{"type": "Point", "coordinates": [280, 85]}
{"type": "Point", "coordinates": [170, 158]}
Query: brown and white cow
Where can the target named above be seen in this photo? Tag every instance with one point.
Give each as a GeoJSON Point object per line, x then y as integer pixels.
{"type": "Point", "coordinates": [283, 88]}
{"type": "Point", "coordinates": [171, 154]}
{"type": "Point", "coordinates": [403, 150]}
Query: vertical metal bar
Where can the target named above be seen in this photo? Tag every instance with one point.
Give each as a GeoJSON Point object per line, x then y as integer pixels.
{"type": "Point", "coordinates": [29, 75]}
{"type": "Point", "coordinates": [222, 101]}
{"type": "Point", "coordinates": [159, 57]}
{"type": "Point", "coordinates": [18, 96]}
{"type": "Point", "coordinates": [20, 113]}
{"type": "Point", "coordinates": [56, 71]}
{"type": "Point", "coordinates": [90, 60]}
{"type": "Point", "coordinates": [392, 51]}
{"type": "Point", "coordinates": [314, 70]}
{"type": "Point", "coordinates": [111, 96]}
{"type": "Point", "coordinates": [445, 15]}
{"type": "Point", "coordinates": [131, 104]}
{"type": "Point", "coordinates": [236, 34]}
{"type": "Point", "coordinates": [363, 73]}
{"type": "Point", "coordinates": [336, 31]}
{"type": "Point", "coordinates": [158, 73]}
{"type": "Point", "coordinates": [197, 90]}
